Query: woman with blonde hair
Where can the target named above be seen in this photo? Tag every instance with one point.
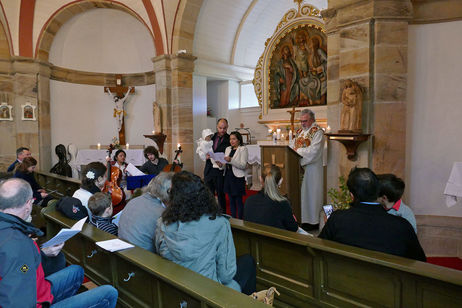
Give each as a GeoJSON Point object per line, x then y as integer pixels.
{"type": "Point", "coordinates": [269, 207]}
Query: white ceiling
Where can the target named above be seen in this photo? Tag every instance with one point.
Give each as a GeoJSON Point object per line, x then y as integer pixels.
{"type": "Point", "coordinates": [218, 24]}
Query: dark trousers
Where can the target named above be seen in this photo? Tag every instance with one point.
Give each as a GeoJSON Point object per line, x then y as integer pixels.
{"type": "Point", "coordinates": [215, 183]}
{"type": "Point", "coordinates": [246, 274]}
{"type": "Point", "coordinates": [52, 265]}
{"type": "Point", "coordinates": [235, 202]}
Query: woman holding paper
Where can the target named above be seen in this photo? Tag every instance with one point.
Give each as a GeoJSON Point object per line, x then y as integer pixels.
{"type": "Point", "coordinates": [236, 157]}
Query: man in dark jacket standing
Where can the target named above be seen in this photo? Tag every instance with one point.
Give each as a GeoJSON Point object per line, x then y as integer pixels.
{"type": "Point", "coordinates": [368, 225]}
{"type": "Point", "coordinates": [22, 280]}
{"type": "Point", "coordinates": [213, 176]}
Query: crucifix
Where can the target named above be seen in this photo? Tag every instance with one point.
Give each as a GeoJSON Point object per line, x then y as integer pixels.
{"type": "Point", "coordinates": [292, 118]}
{"type": "Point", "coordinates": [119, 95]}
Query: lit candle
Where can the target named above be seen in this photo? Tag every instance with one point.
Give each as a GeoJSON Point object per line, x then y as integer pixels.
{"type": "Point", "coordinates": [153, 132]}
{"type": "Point", "coordinates": [178, 145]}
{"type": "Point", "coordinates": [99, 146]}
{"type": "Point", "coordinates": [278, 133]}
{"type": "Point", "coordinates": [291, 135]}
{"type": "Point", "coordinates": [126, 146]}
{"type": "Point", "coordinates": [282, 136]}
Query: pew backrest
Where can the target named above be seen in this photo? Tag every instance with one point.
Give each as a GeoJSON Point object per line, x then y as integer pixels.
{"type": "Point", "coordinates": [311, 271]}
{"type": "Point", "coordinates": [142, 278]}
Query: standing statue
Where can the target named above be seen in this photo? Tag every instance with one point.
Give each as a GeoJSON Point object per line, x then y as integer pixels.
{"type": "Point", "coordinates": [119, 111]}
{"type": "Point", "coordinates": [352, 100]}
{"type": "Point", "coordinates": [62, 167]}
{"type": "Point", "coordinates": [157, 114]}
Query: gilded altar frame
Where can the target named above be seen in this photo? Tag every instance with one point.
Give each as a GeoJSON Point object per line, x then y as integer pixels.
{"type": "Point", "coordinates": [306, 16]}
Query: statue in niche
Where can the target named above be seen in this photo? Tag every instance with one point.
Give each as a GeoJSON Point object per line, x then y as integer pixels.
{"type": "Point", "coordinates": [157, 114]}
{"type": "Point", "coordinates": [62, 167]}
{"type": "Point", "coordinates": [352, 100]}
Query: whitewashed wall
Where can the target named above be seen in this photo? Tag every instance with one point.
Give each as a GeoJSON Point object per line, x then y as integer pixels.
{"type": "Point", "coordinates": [104, 41]}
{"type": "Point", "coordinates": [434, 117]}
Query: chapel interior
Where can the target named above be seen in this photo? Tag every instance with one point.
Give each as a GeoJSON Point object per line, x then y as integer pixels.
{"type": "Point", "coordinates": [197, 61]}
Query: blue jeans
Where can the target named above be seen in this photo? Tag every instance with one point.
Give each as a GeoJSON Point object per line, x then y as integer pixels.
{"type": "Point", "coordinates": [66, 282]}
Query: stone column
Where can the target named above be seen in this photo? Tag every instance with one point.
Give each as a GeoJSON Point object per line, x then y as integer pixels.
{"type": "Point", "coordinates": [31, 85]}
{"type": "Point", "coordinates": [367, 43]}
{"type": "Point", "coordinates": [174, 96]}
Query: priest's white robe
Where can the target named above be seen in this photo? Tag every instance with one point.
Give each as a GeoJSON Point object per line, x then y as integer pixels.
{"type": "Point", "coordinates": [309, 143]}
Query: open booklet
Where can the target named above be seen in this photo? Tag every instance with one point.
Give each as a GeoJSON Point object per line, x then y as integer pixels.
{"type": "Point", "coordinates": [218, 156]}
{"type": "Point", "coordinates": [114, 245]}
{"type": "Point", "coordinates": [133, 171]}
{"type": "Point", "coordinates": [65, 234]}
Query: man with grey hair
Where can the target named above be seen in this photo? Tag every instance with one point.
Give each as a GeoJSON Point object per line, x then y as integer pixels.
{"type": "Point", "coordinates": [309, 143]}
{"type": "Point", "coordinates": [138, 220]}
{"type": "Point", "coordinates": [22, 280]}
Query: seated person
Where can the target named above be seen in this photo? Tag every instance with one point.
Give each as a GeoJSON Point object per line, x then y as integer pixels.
{"type": "Point", "coordinates": [391, 191]}
{"type": "Point", "coordinates": [23, 283]}
{"type": "Point", "coordinates": [192, 233]}
{"type": "Point", "coordinates": [368, 225]}
{"type": "Point", "coordinates": [154, 164]}
{"type": "Point", "coordinates": [25, 171]}
{"type": "Point", "coordinates": [269, 207]}
{"type": "Point", "coordinates": [100, 205]}
{"type": "Point", "coordinates": [21, 153]}
{"type": "Point", "coordinates": [93, 178]}
{"type": "Point", "coordinates": [138, 220]}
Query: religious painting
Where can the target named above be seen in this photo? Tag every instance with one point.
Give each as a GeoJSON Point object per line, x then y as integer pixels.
{"type": "Point", "coordinates": [28, 112]}
{"type": "Point", "coordinates": [292, 71]}
{"type": "Point", "coordinates": [298, 69]}
{"type": "Point", "coordinates": [5, 112]}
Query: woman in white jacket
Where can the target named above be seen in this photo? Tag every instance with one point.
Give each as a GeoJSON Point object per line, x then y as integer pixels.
{"type": "Point", "coordinates": [236, 156]}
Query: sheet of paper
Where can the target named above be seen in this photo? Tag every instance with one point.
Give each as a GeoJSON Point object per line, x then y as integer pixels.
{"type": "Point", "coordinates": [301, 231]}
{"type": "Point", "coordinates": [218, 156]}
{"type": "Point", "coordinates": [116, 218]}
{"type": "Point", "coordinates": [114, 245]}
{"type": "Point", "coordinates": [65, 234]}
{"type": "Point", "coordinates": [133, 171]}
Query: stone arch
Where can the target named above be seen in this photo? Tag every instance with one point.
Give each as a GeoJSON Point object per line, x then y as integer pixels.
{"type": "Point", "coordinates": [6, 47]}
{"type": "Point", "coordinates": [185, 25]}
{"type": "Point", "coordinates": [65, 13]}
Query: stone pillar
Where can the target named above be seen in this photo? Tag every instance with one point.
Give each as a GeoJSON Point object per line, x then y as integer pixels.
{"type": "Point", "coordinates": [174, 95]}
{"type": "Point", "coordinates": [31, 85]}
{"type": "Point", "coordinates": [367, 43]}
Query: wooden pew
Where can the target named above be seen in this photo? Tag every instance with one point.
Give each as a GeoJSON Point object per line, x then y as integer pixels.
{"type": "Point", "coordinates": [57, 185]}
{"type": "Point", "coordinates": [142, 278]}
{"type": "Point", "coordinates": [314, 272]}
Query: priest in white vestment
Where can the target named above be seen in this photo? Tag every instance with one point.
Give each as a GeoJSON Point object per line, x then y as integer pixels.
{"type": "Point", "coordinates": [309, 143]}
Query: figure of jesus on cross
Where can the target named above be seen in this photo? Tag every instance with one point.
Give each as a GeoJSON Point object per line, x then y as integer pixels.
{"type": "Point", "coordinates": [119, 98]}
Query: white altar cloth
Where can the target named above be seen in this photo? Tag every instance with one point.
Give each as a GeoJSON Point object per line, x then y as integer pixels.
{"type": "Point", "coordinates": [86, 156]}
{"type": "Point", "coordinates": [453, 189]}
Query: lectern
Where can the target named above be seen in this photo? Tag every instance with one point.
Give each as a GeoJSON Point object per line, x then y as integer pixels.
{"type": "Point", "coordinates": [289, 161]}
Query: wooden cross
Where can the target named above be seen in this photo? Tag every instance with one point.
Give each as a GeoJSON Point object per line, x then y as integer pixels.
{"type": "Point", "coordinates": [292, 118]}
{"type": "Point", "coordinates": [119, 92]}
{"type": "Point", "coordinates": [273, 162]}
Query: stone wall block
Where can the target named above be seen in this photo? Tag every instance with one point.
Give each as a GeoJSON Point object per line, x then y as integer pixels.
{"type": "Point", "coordinates": [354, 62]}
{"type": "Point", "coordinates": [389, 138]}
{"type": "Point", "coordinates": [393, 8]}
{"type": "Point", "coordinates": [390, 59]}
{"type": "Point", "coordinates": [355, 12]}
{"type": "Point", "coordinates": [333, 68]}
{"type": "Point", "coordinates": [390, 88]}
{"type": "Point", "coordinates": [391, 33]}
{"type": "Point", "coordinates": [182, 79]}
{"type": "Point", "coordinates": [333, 91]}
{"type": "Point", "coordinates": [355, 37]}
{"type": "Point", "coordinates": [333, 45]}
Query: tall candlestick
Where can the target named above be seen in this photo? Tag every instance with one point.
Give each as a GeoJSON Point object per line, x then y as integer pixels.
{"type": "Point", "coordinates": [291, 135]}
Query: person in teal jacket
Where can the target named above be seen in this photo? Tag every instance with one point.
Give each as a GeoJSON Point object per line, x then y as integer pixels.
{"type": "Point", "coordinates": [192, 233]}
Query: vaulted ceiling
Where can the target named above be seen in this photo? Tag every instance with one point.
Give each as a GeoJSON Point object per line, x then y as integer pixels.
{"type": "Point", "coordinates": [234, 32]}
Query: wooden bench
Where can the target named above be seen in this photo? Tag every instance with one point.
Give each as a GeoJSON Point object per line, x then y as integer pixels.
{"type": "Point", "coordinates": [313, 272]}
{"type": "Point", "coordinates": [142, 278]}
